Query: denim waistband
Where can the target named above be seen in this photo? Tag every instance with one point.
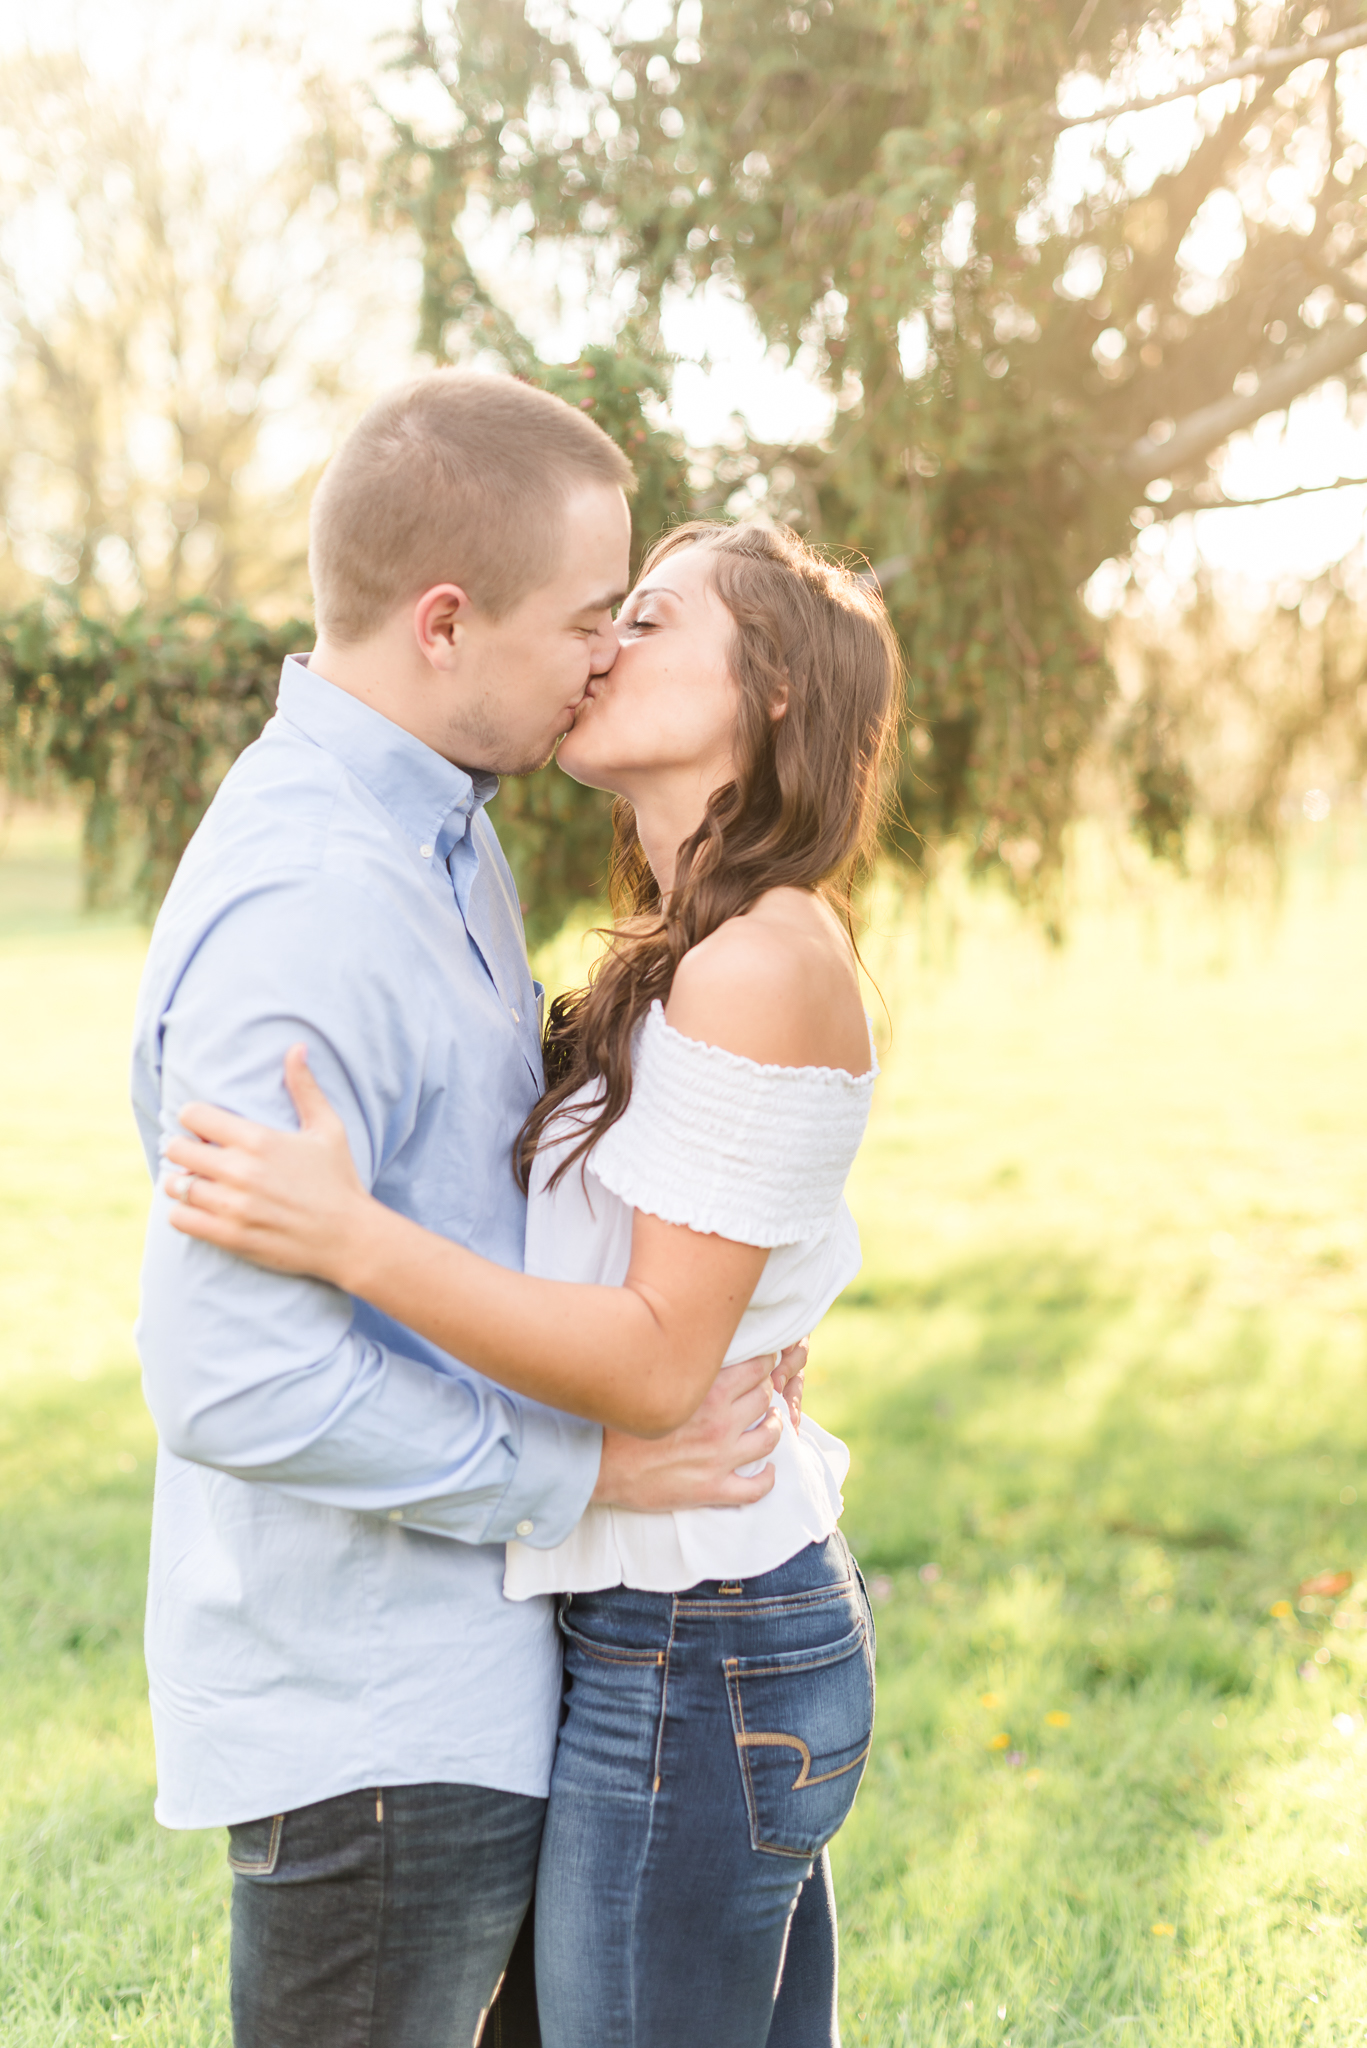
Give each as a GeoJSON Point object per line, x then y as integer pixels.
{"type": "Point", "coordinates": [820, 1571]}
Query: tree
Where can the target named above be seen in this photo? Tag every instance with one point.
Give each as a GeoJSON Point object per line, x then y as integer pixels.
{"type": "Point", "coordinates": [197, 309]}
{"type": "Point", "coordinates": [179, 336]}
{"type": "Point", "coordinates": [141, 713]}
{"type": "Point", "coordinates": [1030, 350]}
{"type": "Point", "coordinates": [1234, 730]}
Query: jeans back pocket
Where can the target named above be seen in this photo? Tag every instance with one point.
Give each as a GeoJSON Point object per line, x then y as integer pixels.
{"type": "Point", "coordinates": [254, 1846]}
{"type": "Point", "coordinates": [803, 1721]}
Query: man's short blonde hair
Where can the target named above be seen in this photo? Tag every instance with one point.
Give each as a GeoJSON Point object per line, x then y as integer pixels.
{"type": "Point", "coordinates": [458, 478]}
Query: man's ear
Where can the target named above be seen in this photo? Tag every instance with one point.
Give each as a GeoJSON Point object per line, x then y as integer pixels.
{"type": "Point", "coordinates": [440, 618]}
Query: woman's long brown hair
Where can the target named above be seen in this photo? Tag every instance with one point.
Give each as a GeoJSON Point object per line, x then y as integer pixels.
{"type": "Point", "coordinates": [802, 812]}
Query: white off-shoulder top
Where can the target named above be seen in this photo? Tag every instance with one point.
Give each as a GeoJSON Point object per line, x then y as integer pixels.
{"type": "Point", "coordinates": [726, 1146]}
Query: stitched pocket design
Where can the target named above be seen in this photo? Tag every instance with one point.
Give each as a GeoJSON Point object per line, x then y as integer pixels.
{"type": "Point", "coordinates": [803, 1721]}
{"type": "Point", "coordinates": [609, 1653]}
{"type": "Point", "coordinates": [254, 1846]}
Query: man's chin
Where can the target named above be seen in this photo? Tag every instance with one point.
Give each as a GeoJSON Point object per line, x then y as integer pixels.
{"type": "Point", "coordinates": [531, 765]}
{"type": "Point", "coordinates": [562, 751]}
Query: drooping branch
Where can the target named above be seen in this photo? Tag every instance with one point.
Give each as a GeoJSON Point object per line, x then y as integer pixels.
{"type": "Point", "coordinates": [1258, 63]}
{"type": "Point", "coordinates": [1193, 501]}
{"type": "Point", "coordinates": [1197, 436]}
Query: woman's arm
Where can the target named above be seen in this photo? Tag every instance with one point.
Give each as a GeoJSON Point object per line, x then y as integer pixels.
{"type": "Point", "coordinates": [639, 1357]}
{"type": "Point", "coordinates": [776, 986]}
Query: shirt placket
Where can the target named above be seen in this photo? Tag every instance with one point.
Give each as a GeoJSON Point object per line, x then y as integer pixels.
{"type": "Point", "coordinates": [497, 940]}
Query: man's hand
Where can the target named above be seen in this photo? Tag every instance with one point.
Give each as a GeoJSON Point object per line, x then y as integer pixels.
{"type": "Point", "coordinates": [696, 1466]}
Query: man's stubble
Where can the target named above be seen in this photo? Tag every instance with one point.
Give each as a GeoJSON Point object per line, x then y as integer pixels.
{"type": "Point", "coordinates": [483, 735]}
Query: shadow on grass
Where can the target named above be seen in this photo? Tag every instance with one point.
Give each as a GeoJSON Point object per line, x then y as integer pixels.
{"type": "Point", "coordinates": [1073, 1549]}
{"type": "Point", "coordinates": [1043, 1400]}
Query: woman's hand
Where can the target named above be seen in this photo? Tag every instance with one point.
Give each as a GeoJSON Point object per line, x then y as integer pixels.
{"type": "Point", "coordinates": [291, 1201]}
{"type": "Point", "coordinates": [787, 1378]}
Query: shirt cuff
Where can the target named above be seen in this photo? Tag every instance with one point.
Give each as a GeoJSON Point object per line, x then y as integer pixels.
{"type": "Point", "coordinates": [550, 1486]}
{"type": "Point", "coordinates": [556, 1472]}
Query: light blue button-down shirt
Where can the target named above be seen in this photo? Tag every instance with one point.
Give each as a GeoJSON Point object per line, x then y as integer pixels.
{"type": "Point", "coordinates": [325, 1607]}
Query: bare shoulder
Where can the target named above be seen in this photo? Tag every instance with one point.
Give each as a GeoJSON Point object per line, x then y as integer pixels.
{"type": "Point", "coordinates": [778, 985]}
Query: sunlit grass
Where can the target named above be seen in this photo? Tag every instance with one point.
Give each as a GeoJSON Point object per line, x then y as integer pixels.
{"type": "Point", "coordinates": [110, 1929]}
{"type": "Point", "coordinates": [1103, 1376]}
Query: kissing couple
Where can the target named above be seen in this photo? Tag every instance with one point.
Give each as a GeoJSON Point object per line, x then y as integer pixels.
{"type": "Point", "coordinates": [491, 1552]}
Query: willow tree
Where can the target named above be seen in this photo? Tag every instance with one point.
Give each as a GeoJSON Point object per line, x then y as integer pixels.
{"type": "Point", "coordinates": [1030, 349]}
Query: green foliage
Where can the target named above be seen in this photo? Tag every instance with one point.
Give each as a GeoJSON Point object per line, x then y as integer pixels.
{"type": "Point", "coordinates": [614, 386]}
{"type": "Point", "coordinates": [1019, 348]}
{"type": "Point", "coordinates": [141, 715]}
{"type": "Point", "coordinates": [877, 181]}
{"type": "Point", "coordinates": [1149, 742]}
{"type": "Point", "coordinates": [1230, 723]}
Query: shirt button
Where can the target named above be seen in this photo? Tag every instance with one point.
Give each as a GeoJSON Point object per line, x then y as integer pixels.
{"type": "Point", "coordinates": [426, 852]}
{"type": "Point", "coordinates": [513, 1014]}
{"type": "Point", "coordinates": [396, 1514]}
{"type": "Point", "coordinates": [525, 1528]}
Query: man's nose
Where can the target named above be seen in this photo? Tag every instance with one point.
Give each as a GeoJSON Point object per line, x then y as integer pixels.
{"type": "Point", "coordinates": [604, 649]}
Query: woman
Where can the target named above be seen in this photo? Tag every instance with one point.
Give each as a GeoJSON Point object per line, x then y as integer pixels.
{"type": "Point", "coordinates": [685, 1175]}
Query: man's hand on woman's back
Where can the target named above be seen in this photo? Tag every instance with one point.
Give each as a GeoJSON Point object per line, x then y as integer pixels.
{"type": "Point", "coordinates": [696, 1466]}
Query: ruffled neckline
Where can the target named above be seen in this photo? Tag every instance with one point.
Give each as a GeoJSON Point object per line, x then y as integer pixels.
{"type": "Point", "coordinates": [737, 1062]}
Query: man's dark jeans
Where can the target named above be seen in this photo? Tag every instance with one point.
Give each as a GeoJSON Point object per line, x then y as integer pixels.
{"type": "Point", "coordinates": [380, 1919]}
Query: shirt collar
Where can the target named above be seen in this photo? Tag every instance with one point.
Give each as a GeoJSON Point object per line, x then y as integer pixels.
{"type": "Point", "coordinates": [430, 798]}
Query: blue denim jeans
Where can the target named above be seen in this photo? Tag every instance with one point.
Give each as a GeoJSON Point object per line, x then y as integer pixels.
{"type": "Point", "coordinates": [379, 1919]}
{"type": "Point", "coordinates": [712, 1743]}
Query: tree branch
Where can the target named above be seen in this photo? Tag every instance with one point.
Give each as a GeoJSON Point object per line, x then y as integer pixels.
{"type": "Point", "coordinates": [1083, 22]}
{"type": "Point", "coordinates": [1188, 501]}
{"type": "Point", "coordinates": [879, 574]}
{"type": "Point", "coordinates": [1256, 63]}
{"type": "Point", "coordinates": [1197, 436]}
{"type": "Point", "coordinates": [1327, 194]}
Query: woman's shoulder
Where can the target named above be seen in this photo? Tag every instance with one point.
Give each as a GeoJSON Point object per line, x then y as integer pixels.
{"type": "Point", "coordinates": [777, 985]}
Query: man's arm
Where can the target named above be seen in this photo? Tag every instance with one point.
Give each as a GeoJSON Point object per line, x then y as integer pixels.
{"type": "Point", "coordinates": [265, 1376]}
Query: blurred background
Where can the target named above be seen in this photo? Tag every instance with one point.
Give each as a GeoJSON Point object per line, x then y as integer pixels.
{"type": "Point", "coordinates": [1051, 315]}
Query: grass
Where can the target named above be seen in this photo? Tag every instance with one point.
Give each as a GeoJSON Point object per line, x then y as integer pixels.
{"type": "Point", "coordinates": [1103, 1378]}
{"type": "Point", "coordinates": [110, 1928]}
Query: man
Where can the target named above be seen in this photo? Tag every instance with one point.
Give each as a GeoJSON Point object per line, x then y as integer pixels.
{"type": "Point", "coordinates": [335, 1675]}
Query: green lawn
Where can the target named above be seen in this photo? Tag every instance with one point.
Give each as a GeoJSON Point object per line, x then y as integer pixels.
{"type": "Point", "coordinates": [1103, 1376]}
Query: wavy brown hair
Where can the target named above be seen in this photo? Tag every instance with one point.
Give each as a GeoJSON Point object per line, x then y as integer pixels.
{"type": "Point", "coordinates": [802, 812]}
